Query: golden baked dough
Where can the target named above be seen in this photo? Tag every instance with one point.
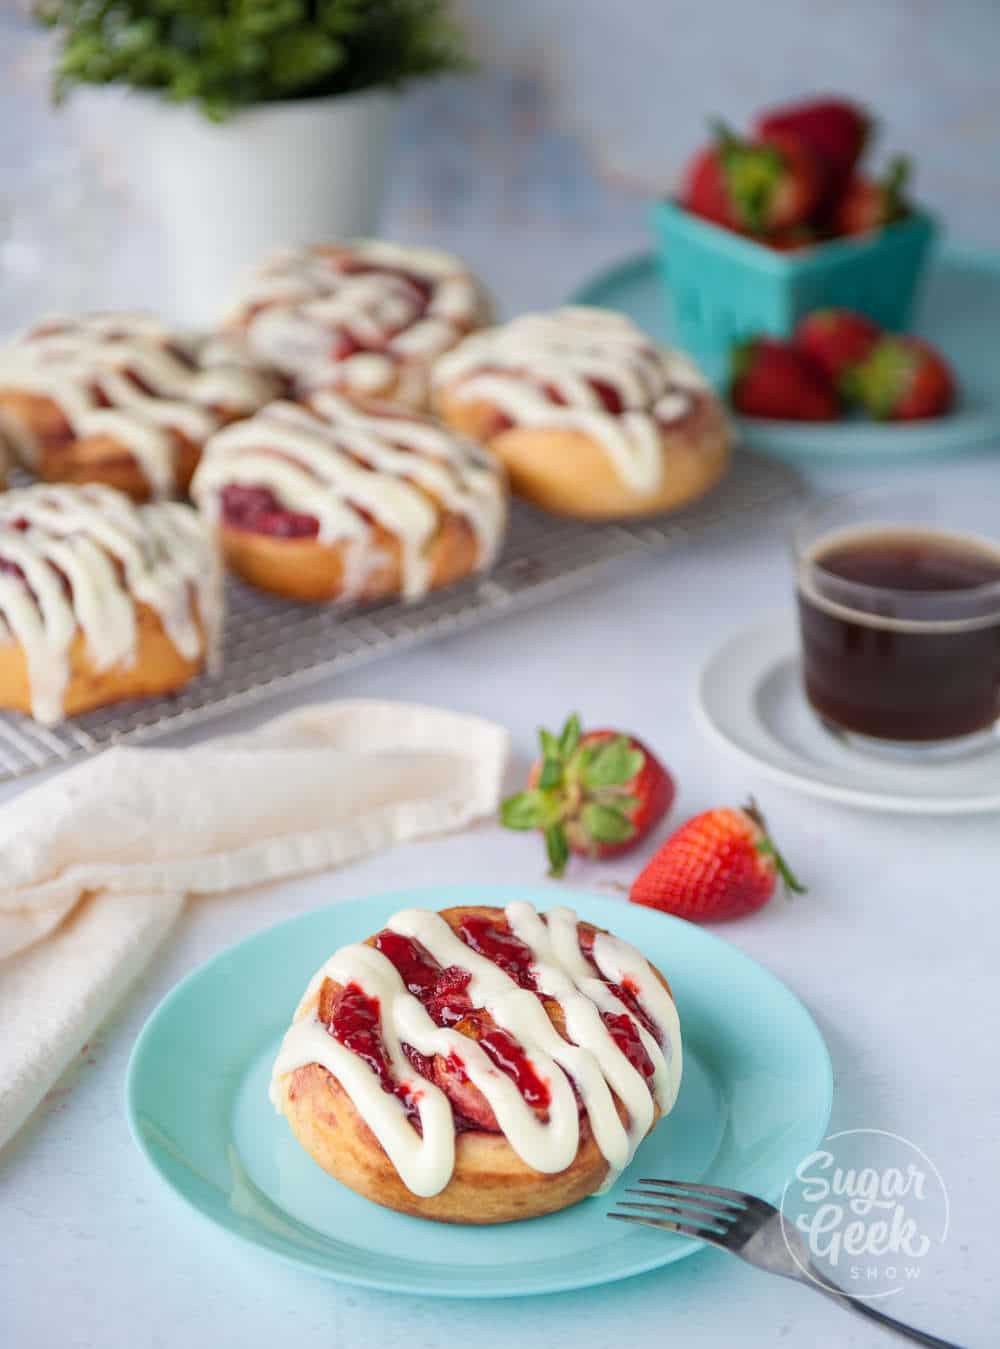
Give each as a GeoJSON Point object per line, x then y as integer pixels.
{"type": "Point", "coordinates": [157, 668]}
{"type": "Point", "coordinates": [307, 570]}
{"type": "Point", "coordinates": [121, 400]}
{"type": "Point", "coordinates": [335, 500]}
{"type": "Point", "coordinates": [589, 416]}
{"type": "Point", "coordinates": [101, 600]}
{"type": "Point", "coordinates": [569, 473]}
{"type": "Point", "coordinates": [490, 1183]}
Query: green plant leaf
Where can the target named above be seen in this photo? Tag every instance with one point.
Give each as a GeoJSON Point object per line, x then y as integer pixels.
{"type": "Point", "coordinates": [614, 764]}
{"type": "Point", "coordinates": [557, 848]}
{"type": "Point", "coordinates": [605, 824]}
{"type": "Point", "coordinates": [551, 774]}
{"type": "Point", "coordinates": [231, 53]}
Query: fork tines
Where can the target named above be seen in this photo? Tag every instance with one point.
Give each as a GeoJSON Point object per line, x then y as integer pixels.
{"type": "Point", "coordinates": [703, 1211]}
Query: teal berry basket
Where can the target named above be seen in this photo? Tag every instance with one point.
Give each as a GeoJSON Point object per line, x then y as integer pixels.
{"type": "Point", "coordinates": [723, 287]}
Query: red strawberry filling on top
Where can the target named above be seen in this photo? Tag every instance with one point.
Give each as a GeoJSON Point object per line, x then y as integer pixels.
{"type": "Point", "coordinates": [610, 398]}
{"type": "Point", "coordinates": [443, 992]}
{"type": "Point", "coordinates": [347, 342]}
{"type": "Point", "coordinates": [257, 510]}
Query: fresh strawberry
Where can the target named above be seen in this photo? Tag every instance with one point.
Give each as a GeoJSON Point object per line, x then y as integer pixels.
{"type": "Point", "coordinates": [771, 378]}
{"type": "Point", "coordinates": [903, 379]}
{"type": "Point", "coordinates": [834, 129]}
{"type": "Point", "coordinates": [793, 239]}
{"type": "Point", "coordinates": [754, 186]}
{"type": "Point", "coordinates": [704, 190]}
{"type": "Point", "coordinates": [595, 793]}
{"type": "Point", "coordinates": [721, 864]}
{"type": "Point", "coordinates": [867, 204]}
{"type": "Point", "coordinates": [836, 339]}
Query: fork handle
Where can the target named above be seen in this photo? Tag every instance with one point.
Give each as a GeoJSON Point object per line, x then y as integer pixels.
{"type": "Point", "coordinates": [887, 1322]}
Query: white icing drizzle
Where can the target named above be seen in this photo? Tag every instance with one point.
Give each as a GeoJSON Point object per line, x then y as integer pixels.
{"type": "Point", "coordinates": [516, 366]}
{"type": "Point", "coordinates": [590, 1059]}
{"type": "Point", "coordinates": [185, 386]}
{"type": "Point", "coordinates": [114, 555]}
{"type": "Point", "coordinates": [327, 461]}
{"type": "Point", "coordinates": [297, 302]}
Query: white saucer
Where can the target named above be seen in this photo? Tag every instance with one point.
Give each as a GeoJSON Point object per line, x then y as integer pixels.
{"type": "Point", "coordinates": [749, 698]}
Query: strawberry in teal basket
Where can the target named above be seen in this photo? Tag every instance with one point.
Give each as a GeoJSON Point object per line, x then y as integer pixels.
{"type": "Point", "coordinates": [754, 186]}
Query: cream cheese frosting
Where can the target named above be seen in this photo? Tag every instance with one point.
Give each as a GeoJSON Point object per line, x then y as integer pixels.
{"type": "Point", "coordinates": [546, 372]}
{"type": "Point", "coordinates": [129, 377]}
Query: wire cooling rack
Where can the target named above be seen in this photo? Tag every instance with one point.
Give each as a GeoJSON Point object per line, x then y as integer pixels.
{"type": "Point", "coordinates": [272, 646]}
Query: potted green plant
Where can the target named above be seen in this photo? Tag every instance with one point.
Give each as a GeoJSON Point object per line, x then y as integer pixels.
{"type": "Point", "coordinates": [249, 124]}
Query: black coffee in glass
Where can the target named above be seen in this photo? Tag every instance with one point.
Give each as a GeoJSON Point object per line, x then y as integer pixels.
{"type": "Point", "coordinates": [901, 631]}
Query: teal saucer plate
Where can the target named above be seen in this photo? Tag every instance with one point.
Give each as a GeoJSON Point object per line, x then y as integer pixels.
{"type": "Point", "coordinates": [755, 1099]}
{"type": "Point", "coordinates": [958, 310]}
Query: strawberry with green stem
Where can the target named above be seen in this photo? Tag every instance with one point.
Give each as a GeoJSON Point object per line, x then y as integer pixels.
{"type": "Point", "coordinates": [594, 793]}
{"type": "Point", "coordinates": [834, 128]}
{"type": "Point", "coordinates": [754, 186]}
{"type": "Point", "coordinates": [868, 203]}
{"type": "Point", "coordinates": [721, 864]}
{"type": "Point", "coordinates": [903, 379]}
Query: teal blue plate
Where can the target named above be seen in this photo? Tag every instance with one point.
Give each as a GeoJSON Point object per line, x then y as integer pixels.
{"type": "Point", "coordinates": [959, 311]}
{"type": "Point", "coordinates": [755, 1099]}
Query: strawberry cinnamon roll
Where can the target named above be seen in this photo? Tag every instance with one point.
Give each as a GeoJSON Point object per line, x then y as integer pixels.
{"type": "Point", "coordinates": [364, 318]}
{"type": "Point", "coordinates": [120, 399]}
{"type": "Point", "coordinates": [590, 416]}
{"type": "Point", "coordinates": [480, 1065]}
{"type": "Point", "coordinates": [101, 600]}
{"type": "Point", "coordinates": [335, 501]}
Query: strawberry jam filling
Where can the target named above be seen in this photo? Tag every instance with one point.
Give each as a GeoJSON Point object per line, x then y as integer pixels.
{"type": "Point", "coordinates": [442, 991]}
{"type": "Point", "coordinates": [414, 963]}
{"type": "Point", "coordinates": [258, 510]}
{"type": "Point", "coordinates": [500, 946]}
{"type": "Point", "coordinates": [356, 1025]}
{"type": "Point", "coordinates": [608, 395]}
{"type": "Point", "coordinates": [450, 1002]}
{"type": "Point", "coordinates": [622, 1030]}
{"type": "Point", "coordinates": [359, 267]}
{"type": "Point", "coordinates": [611, 399]}
{"type": "Point", "coordinates": [627, 992]}
{"type": "Point", "coordinates": [511, 1059]}
{"type": "Point", "coordinates": [343, 345]}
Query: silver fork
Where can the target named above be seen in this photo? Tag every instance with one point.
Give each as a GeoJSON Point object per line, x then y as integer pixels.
{"type": "Point", "coordinates": [752, 1229]}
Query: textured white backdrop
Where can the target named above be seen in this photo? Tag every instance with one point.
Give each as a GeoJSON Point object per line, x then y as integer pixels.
{"type": "Point", "coordinates": [540, 167]}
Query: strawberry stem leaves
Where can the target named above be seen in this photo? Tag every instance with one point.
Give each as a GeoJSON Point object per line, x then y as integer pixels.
{"type": "Point", "coordinates": [606, 824]}
{"type": "Point", "coordinates": [768, 848]}
{"type": "Point", "coordinates": [613, 763]}
{"type": "Point", "coordinates": [533, 809]}
{"type": "Point", "coordinates": [557, 847]}
{"type": "Point", "coordinates": [569, 737]}
{"type": "Point", "coordinates": [580, 798]}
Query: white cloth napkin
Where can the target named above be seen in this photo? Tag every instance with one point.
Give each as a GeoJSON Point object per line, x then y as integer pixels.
{"type": "Point", "coordinates": [95, 864]}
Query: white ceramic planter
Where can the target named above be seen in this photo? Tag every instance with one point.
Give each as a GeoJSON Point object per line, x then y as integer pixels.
{"type": "Point", "coordinates": [225, 193]}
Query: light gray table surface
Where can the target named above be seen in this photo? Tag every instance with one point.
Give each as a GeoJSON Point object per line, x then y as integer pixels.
{"type": "Point", "coordinates": [894, 950]}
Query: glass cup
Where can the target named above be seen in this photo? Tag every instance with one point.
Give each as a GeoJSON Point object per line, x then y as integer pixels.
{"type": "Point", "coordinates": [899, 613]}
